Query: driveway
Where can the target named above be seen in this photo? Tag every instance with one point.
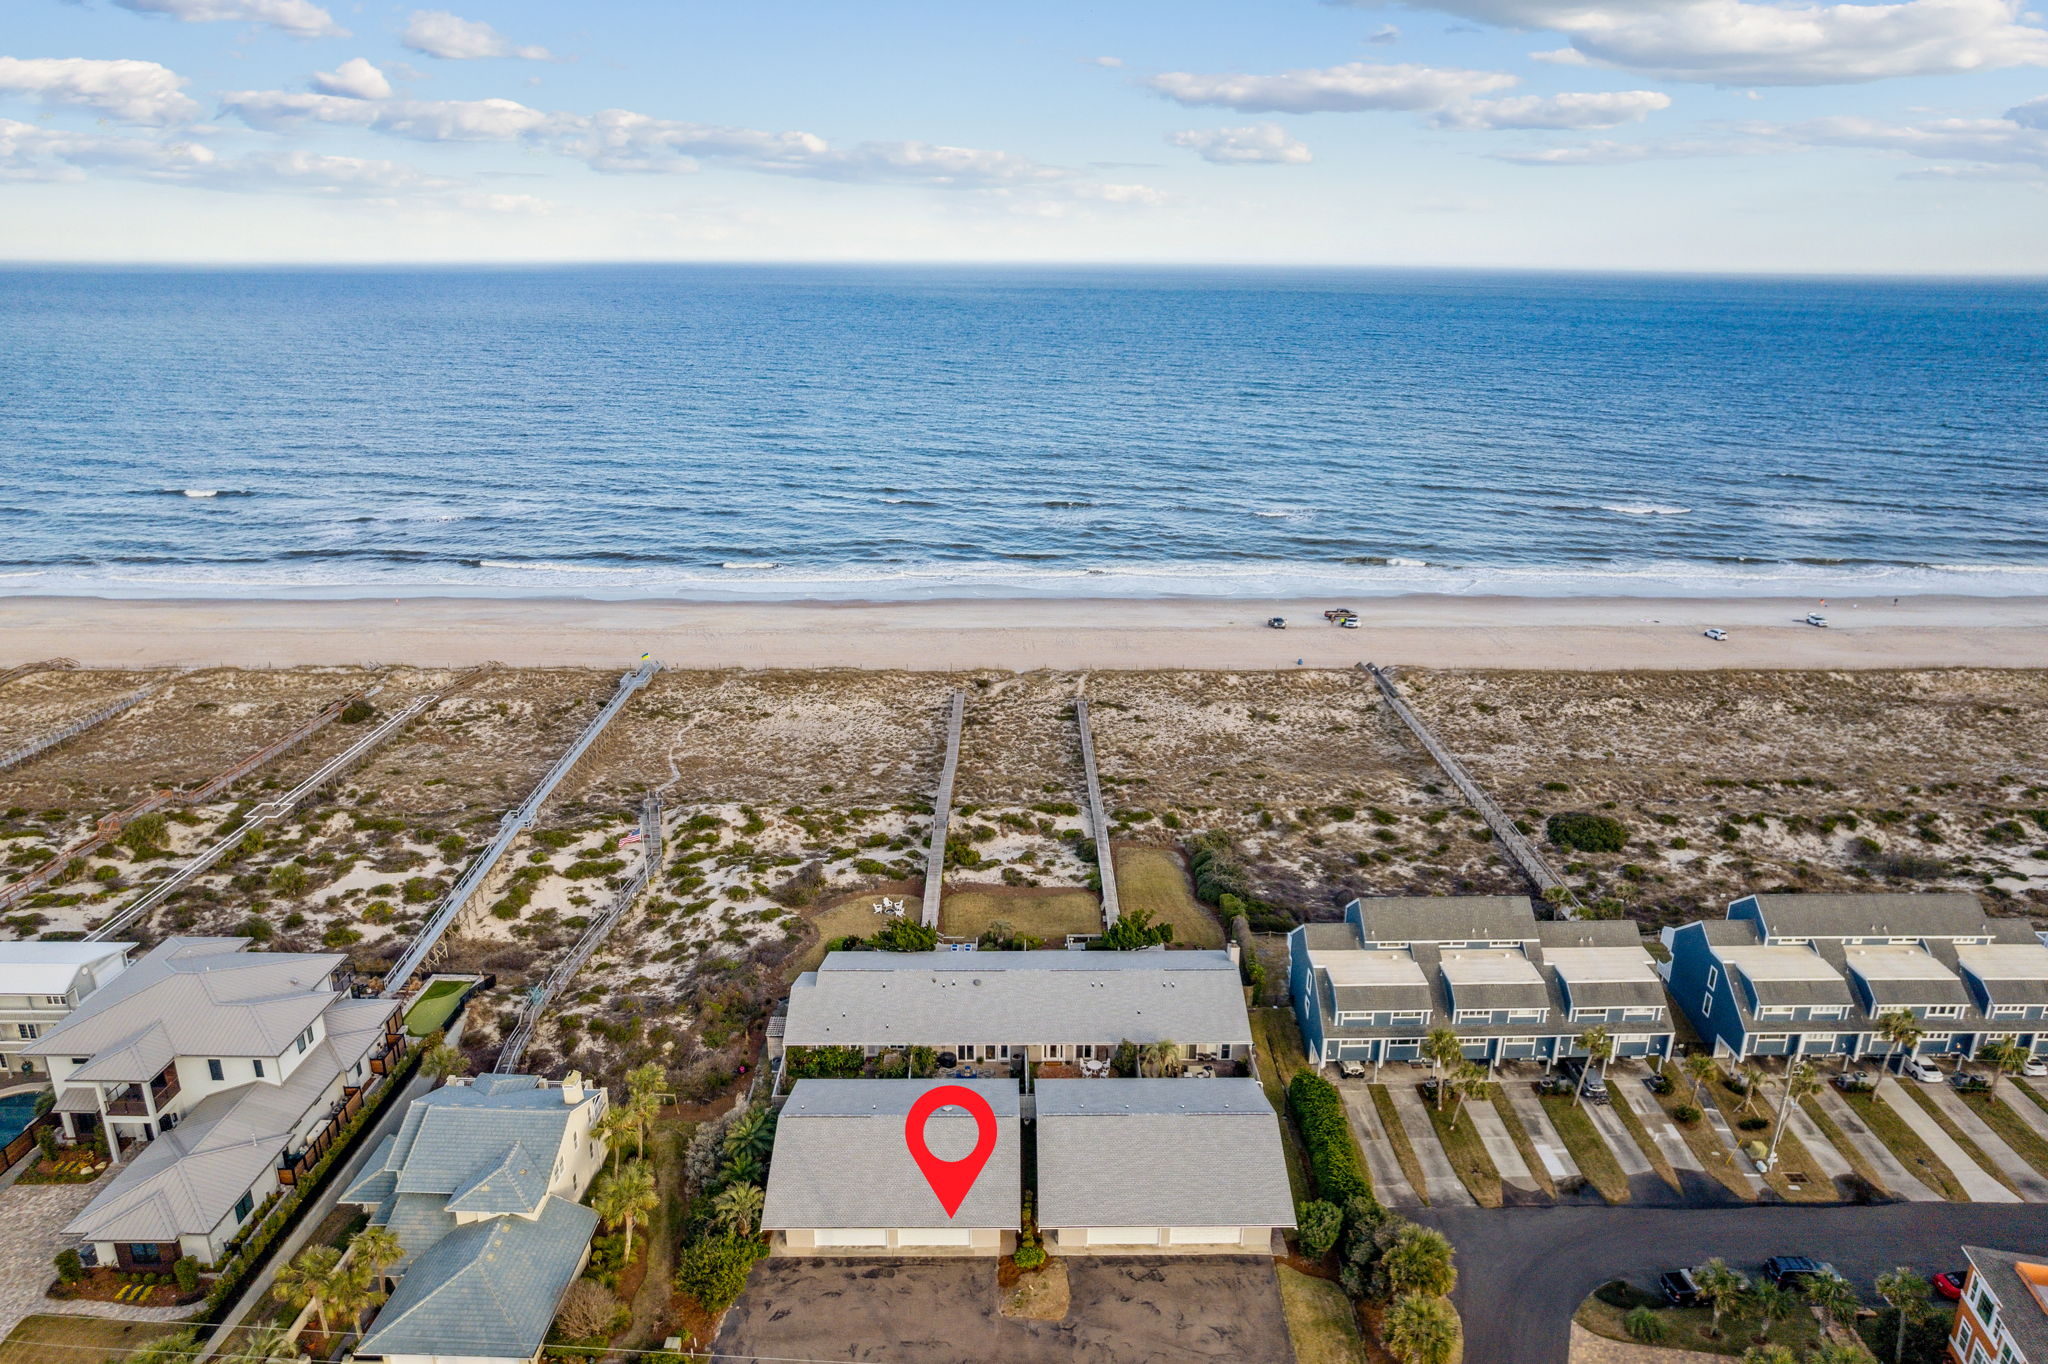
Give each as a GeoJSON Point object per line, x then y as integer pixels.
{"type": "Point", "coordinates": [1125, 1310]}
{"type": "Point", "coordinates": [1522, 1272]}
{"type": "Point", "coordinates": [35, 1216]}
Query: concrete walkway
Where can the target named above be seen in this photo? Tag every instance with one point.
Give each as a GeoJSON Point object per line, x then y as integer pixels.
{"type": "Point", "coordinates": [1389, 1181]}
{"type": "Point", "coordinates": [1506, 1156]}
{"type": "Point", "coordinates": [2029, 1112]}
{"type": "Point", "coordinates": [1832, 1163]}
{"type": "Point", "coordinates": [1619, 1139]}
{"type": "Point", "coordinates": [1723, 1133]}
{"type": "Point", "coordinates": [1634, 1090]}
{"type": "Point", "coordinates": [1980, 1187]}
{"type": "Point", "coordinates": [1550, 1148]}
{"type": "Point", "coordinates": [1440, 1178]}
{"type": "Point", "coordinates": [1898, 1181]}
{"type": "Point", "coordinates": [2017, 1171]}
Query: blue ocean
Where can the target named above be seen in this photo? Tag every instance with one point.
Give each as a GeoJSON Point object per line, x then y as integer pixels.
{"type": "Point", "coordinates": [877, 433]}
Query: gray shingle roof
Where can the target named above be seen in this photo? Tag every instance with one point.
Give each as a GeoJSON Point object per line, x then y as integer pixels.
{"type": "Point", "coordinates": [1935, 913]}
{"type": "Point", "coordinates": [452, 1134]}
{"type": "Point", "coordinates": [2019, 1310]}
{"type": "Point", "coordinates": [954, 998]}
{"type": "Point", "coordinates": [1160, 1153]}
{"type": "Point", "coordinates": [840, 1158]}
{"type": "Point", "coordinates": [1447, 918]}
{"type": "Point", "coordinates": [486, 1291]}
{"type": "Point", "coordinates": [517, 1183]}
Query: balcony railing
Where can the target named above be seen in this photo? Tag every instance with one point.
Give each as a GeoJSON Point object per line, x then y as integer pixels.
{"type": "Point", "coordinates": [129, 1103]}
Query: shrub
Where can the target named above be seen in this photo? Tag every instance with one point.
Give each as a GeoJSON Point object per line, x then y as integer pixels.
{"type": "Point", "coordinates": [69, 1267]}
{"type": "Point", "coordinates": [418, 890]}
{"type": "Point", "coordinates": [902, 935]}
{"type": "Point", "coordinates": [288, 878]}
{"type": "Point", "coordinates": [1643, 1324]}
{"type": "Point", "coordinates": [1587, 832]}
{"type": "Point", "coordinates": [715, 1271]}
{"type": "Point", "coordinates": [1318, 1112]}
{"type": "Point", "coordinates": [1317, 1226]}
{"type": "Point", "coordinates": [588, 1311]}
{"type": "Point", "coordinates": [1029, 1257]}
{"type": "Point", "coordinates": [341, 935]}
{"type": "Point", "coordinates": [1753, 1124]}
{"type": "Point", "coordinates": [1686, 1114]}
{"type": "Point", "coordinates": [356, 711]}
{"type": "Point", "coordinates": [1134, 930]}
{"type": "Point", "coordinates": [186, 1272]}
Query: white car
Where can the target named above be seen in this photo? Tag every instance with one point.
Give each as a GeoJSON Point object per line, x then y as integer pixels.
{"type": "Point", "coordinates": [1924, 1071]}
{"type": "Point", "coordinates": [2035, 1068]}
{"type": "Point", "coordinates": [1717, 634]}
{"type": "Point", "coordinates": [1821, 621]}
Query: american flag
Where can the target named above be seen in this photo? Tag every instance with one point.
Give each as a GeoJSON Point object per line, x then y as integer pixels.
{"type": "Point", "coordinates": [633, 837]}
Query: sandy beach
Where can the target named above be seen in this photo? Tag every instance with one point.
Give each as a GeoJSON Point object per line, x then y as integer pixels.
{"type": "Point", "coordinates": [1437, 632]}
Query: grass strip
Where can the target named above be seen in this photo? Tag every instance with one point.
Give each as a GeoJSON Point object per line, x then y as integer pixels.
{"type": "Point", "coordinates": [1321, 1322]}
{"type": "Point", "coordinates": [2010, 1127]}
{"type": "Point", "coordinates": [1955, 1133]}
{"type": "Point", "coordinates": [1279, 1057]}
{"type": "Point", "coordinates": [1460, 1140]}
{"type": "Point", "coordinates": [1520, 1136]}
{"type": "Point", "coordinates": [1794, 1159]}
{"type": "Point", "coordinates": [1918, 1158]}
{"type": "Point", "coordinates": [1596, 1162]}
{"type": "Point", "coordinates": [1397, 1137]}
{"type": "Point", "coordinates": [1700, 1135]}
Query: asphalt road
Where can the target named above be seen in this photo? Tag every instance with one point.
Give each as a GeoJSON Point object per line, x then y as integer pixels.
{"type": "Point", "coordinates": [1522, 1272]}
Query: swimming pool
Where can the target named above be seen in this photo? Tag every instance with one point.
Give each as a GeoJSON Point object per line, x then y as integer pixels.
{"type": "Point", "coordinates": [16, 1112]}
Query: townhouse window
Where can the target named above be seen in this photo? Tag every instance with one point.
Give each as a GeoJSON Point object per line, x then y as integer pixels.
{"type": "Point", "coordinates": [1707, 1004]}
{"type": "Point", "coordinates": [30, 1031]}
{"type": "Point", "coordinates": [146, 1253]}
{"type": "Point", "coordinates": [244, 1205]}
{"type": "Point", "coordinates": [258, 1063]}
{"type": "Point", "coordinates": [80, 1060]}
{"type": "Point", "coordinates": [2008, 1010]}
{"type": "Point", "coordinates": [1713, 976]}
{"type": "Point", "coordinates": [56, 1001]}
{"type": "Point", "coordinates": [1944, 1011]}
{"type": "Point", "coordinates": [214, 1072]}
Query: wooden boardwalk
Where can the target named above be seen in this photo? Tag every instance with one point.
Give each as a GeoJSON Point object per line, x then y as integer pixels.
{"type": "Point", "coordinates": [1097, 820]}
{"type": "Point", "coordinates": [942, 814]}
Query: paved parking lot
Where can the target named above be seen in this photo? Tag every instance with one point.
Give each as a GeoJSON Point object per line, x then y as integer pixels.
{"type": "Point", "coordinates": [1135, 1310]}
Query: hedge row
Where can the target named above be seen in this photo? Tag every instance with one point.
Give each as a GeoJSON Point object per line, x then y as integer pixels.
{"type": "Point", "coordinates": [1318, 1112]}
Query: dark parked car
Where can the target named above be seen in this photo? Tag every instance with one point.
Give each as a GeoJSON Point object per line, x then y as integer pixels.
{"type": "Point", "coordinates": [1789, 1271]}
{"type": "Point", "coordinates": [1969, 1084]}
{"type": "Point", "coordinates": [1856, 1082]}
{"type": "Point", "coordinates": [1949, 1283]}
{"type": "Point", "coordinates": [1678, 1288]}
{"type": "Point", "coordinates": [1595, 1087]}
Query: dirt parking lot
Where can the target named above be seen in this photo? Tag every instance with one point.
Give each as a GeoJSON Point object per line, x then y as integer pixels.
{"type": "Point", "coordinates": [1125, 1311]}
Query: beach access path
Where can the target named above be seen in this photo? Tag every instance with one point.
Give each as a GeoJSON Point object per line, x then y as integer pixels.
{"type": "Point", "coordinates": [1418, 631]}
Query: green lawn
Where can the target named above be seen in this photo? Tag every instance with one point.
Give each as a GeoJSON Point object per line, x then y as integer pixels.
{"type": "Point", "coordinates": [1156, 880]}
{"type": "Point", "coordinates": [1320, 1320]}
{"type": "Point", "coordinates": [1905, 1143]}
{"type": "Point", "coordinates": [2009, 1125]}
{"type": "Point", "coordinates": [1700, 1135]}
{"type": "Point", "coordinates": [47, 1337]}
{"type": "Point", "coordinates": [1044, 912]}
{"type": "Point", "coordinates": [1688, 1328]}
{"type": "Point", "coordinates": [435, 1006]}
{"type": "Point", "coordinates": [1596, 1162]}
{"type": "Point", "coordinates": [1467, 1152]}
{"type": "Point", "coordinates": [1840, 1140]}
{"type": "Point", "coordinates": [1641, 1134]}
{"type": "Point", "coordinates": [1397, 1137]}
{"type": "Point", "coordinates": [1277, 1041]}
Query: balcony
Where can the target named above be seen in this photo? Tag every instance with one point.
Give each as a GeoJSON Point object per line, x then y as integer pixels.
{"type": "Point", "coordinates": [132, 1102]}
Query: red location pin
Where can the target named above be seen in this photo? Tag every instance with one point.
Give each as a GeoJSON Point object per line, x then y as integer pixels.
{"type": "Point", "coordinates": [950, 1179]}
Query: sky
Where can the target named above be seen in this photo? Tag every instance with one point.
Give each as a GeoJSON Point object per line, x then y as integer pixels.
{"type": "Point", "coordinates": [1687, 135]}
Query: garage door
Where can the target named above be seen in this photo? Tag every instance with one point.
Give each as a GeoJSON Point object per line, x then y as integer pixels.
{"type": "Point", "coordinates": [935, 1236]}
{"type": "Point", "coordinates": [853, 1236]}
{"type": "Point", "coordinates": [1201, 1236]}
{"type": "Point", "coordinates": [1121, 1236]}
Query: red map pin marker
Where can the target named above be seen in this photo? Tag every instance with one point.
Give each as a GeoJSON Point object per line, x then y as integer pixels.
{"type": "Point", "coordinates": [950, 1179]}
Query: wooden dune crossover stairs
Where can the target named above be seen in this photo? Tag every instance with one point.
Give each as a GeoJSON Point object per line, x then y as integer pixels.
{"type": "Point", "coordinates": [77, 727]}
{"type": "Point", "coordinates": [1096, 818]}
{"type": "Point", "coordinates": [942, 814]}
{"type": "Point", "coordinates": [452, 905]}
{"type": "Point", "coordinates": [1549, 885]}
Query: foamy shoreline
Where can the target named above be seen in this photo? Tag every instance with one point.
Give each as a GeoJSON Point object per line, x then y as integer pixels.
{"type": "Point", "coordinates": [1431, 631]}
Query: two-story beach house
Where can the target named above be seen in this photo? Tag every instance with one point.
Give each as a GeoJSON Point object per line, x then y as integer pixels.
{"type": "Point", "coordinates": [2003, 1315]}
{"type": "Point", "coordinates": [41, 983]}
{"type": "Point", "coordinates": [482, 1185]}
{"type": "Point", "coordinates": [1809, 975]}
{"type": "Point", "coordinates": [1512, 987]}
{"type": "Point", "coordinates": [231, 1070]}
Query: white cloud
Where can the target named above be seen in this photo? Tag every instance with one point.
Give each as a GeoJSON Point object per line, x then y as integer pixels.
{"type": "Point", "coordinates": [441, 120]}
{"type": "Point", "coordinates": [355, 78]}
{"type": "Point", "coordinates": [1352, 86]}
{"type": "Point", "coordinates": [1779, 42]}
{"type": "Point", "coordinates": [438, 33]}
{"type": "Point", "coordinates": [1387, 34]}
{"type": "Point", "coordinates": [1111, 62]}
{"type": "Point", "coordinates": [1254, 144]}
{"type": "Point", "coordinates": [126, 90]}
{"type": "Point", "coordinates": [300, 18]}
{"type": "Point", "coordinates": [1608, 109]}
{"type": "Point", "coordinates": [2012, 141]}
{"type": "Point", "coordinates": [31, 152]}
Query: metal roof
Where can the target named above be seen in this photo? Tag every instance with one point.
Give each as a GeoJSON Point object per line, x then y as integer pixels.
{"type": "Point", "coordinates": [2010, 973]}
{"type": "Point", "coordinates": [485, 1291]}
{"type": "Point", "coordinates": [840, 1158]}
{"type": "Point", "coordinates": [1446, 918]}
{"type": "Point", "coordinates": [1160, 1153]}
{"type": "Point", "coordinates": [956, 998]}
{"type": "Point", "coordinates": [51, 968]}
{"type": "Point", "coordinates": [1923, 913]}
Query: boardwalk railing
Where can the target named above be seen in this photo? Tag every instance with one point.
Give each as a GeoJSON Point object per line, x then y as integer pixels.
{"type": "Point", "coordinates": [1548, 883]}
{"type": "Point", "coordinates": [78, 727]}
{"type": "Point", "coordinates": [471, 881]}
{"type": "Point", "coordinates": [42, 666]}
{"type": "Point", "coordinates": [593, 937]}
{"type": "Point", "coordinates": [942, 814]}
{"type": "Point", "coordinates": [1096, 819]}
{"type": "Point", "coordinates": [267, 813]}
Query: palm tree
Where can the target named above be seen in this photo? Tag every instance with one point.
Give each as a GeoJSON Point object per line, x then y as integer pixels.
{"type": "Point", "coordinates": [1442, 1048]}
{"type": "Point", "coordinates": [1700, 1066]}
{"type": "Point", "coordinates": [1419, 1262]}
{"type": "Point", "coordinates": [752, 1132]}
{"type": "Point", "coordinates": [353, 1292]}
{"type": "Point", "coordinates": [1163, 1055]}
{"type": "Point", "coordinates": [1800, 1081]}
{"type": "Point", "coordinates": [313, 1278]}
{"type": "Point", "coordinates": [1752, 1076]}
{"type": "Point", "coordinates": [1472, 1081]}
{"type": "Point", "coordinates": [376, 1249]}
{"type": "Point", "coordinates": [1598, 1044]}
{"type": "Point", "coordinates": [1721, 1286]}
{"type": "Point", "coordinates": [612, 1129]}
{"type": "Point", "coordinates": [738, 1208]}
{"type": "Point", "coordinates": [1771, 1304]}
{"type": "Point", "coordinates": [1422, 1330]}
{"type": "Point", "coordinates": [443, 1061]}
{"type": "Point", "coordinates": [267, 1345]}
{"type": "Point", "coordinates": [1901, 1030]}
{"type": "Point", "coordinates": [1907, 1293]}
{"type": "Point", "coordinates": [1834, 1295]}
{"type": "Point", "coordinates": [2005, 1057]}
{"type": "Point", "coordinates": [643, 1089]}
{"type": "Point", "coordinates": [625, 1196]}
{"type": "Point", "coordinates": [1769, 1354]}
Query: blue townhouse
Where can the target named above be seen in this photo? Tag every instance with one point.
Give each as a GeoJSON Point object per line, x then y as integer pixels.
{"type": "Point", "coordinates": [1371, 988]}
{"type": "Point", "coordinates": [1814, 975]}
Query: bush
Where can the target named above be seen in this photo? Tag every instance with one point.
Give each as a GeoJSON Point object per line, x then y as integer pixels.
{"type": "Point", "coordinates": [186, 1272]}
{"type": "Point", "coordinates": [1643, 1324]}
{"type": "Point", "coordinates": [903, 935]}
{"type": "Point", "coordinates": [1134, 931]}
{"type": "Point", "coordinates": [1753, 1124]}
{"type": "Point", "coordinates": [715, 1271]}
{"type": "Point", "coordinates": [1029, 1257]}
{"type": "Point", "coordinates": [1317, 1226]}
{"type": "Point", "coordinates": [1318, 1112]}
{"type": "Point", "coordinates": [356, 711]}
{"type": "Point", "coordinates": [69, 1267]}
{"type": "Point", "coordinates": [1587, 832]}
{"type": "Point", "coordinates": [1686, 1114]}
